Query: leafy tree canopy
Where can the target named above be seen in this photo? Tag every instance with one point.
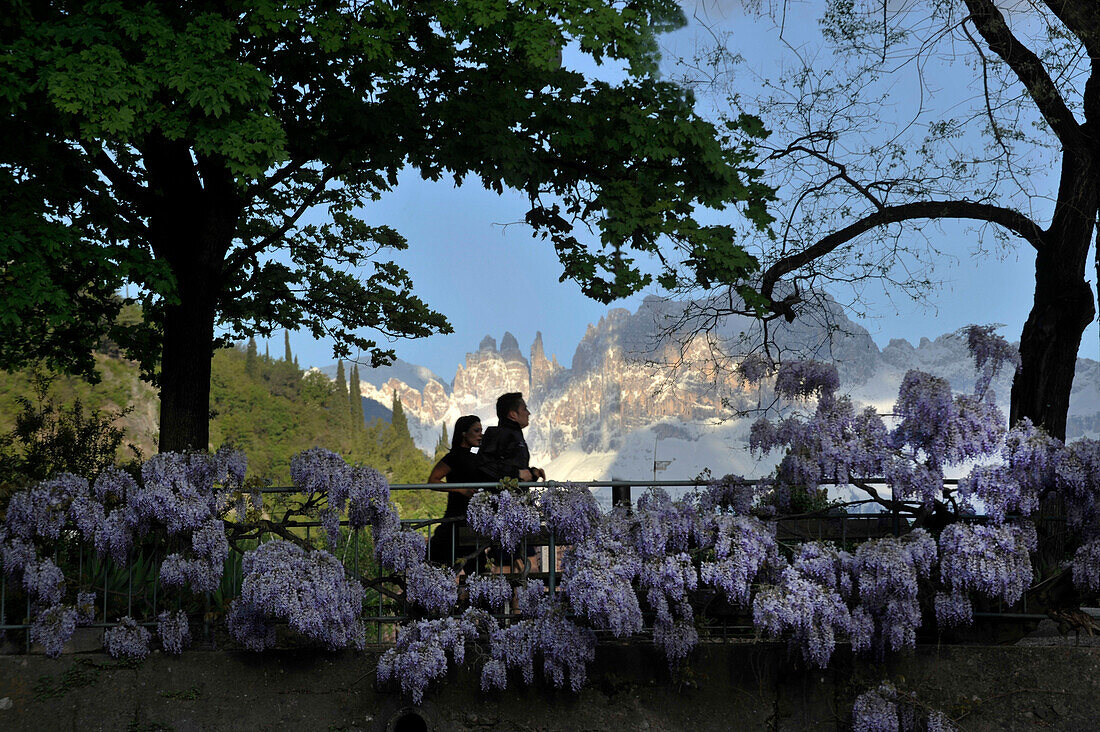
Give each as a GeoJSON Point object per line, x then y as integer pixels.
{"type": "Point", "coordinates": [178, 148]}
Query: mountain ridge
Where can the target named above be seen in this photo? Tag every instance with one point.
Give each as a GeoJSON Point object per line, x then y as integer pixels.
{"type": "Point", "coordinates": [620, 401]}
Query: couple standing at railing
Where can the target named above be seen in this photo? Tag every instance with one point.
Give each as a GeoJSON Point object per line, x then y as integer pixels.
{"type": "Point", "coordinates": [501, 453]}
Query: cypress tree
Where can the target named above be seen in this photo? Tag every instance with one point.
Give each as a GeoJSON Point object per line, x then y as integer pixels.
{"type": "Point", "coordinates": [250, 357]}
{"type": "Point", "coordinates": [288, 357]}
{"type": "Point", "coordinates": [356, 398]}
{"type": "Point", "coordinates": [444, 445]}
{"type": "Point", "coordinates": [341, 382]}
{"type": "Point", "coordinates": [267, 352]}
{"type": "Point", "coordinates": [399, 421]}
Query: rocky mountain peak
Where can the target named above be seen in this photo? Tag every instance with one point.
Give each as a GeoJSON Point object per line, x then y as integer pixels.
{"type": "Point", "coordinates": [509, 348]}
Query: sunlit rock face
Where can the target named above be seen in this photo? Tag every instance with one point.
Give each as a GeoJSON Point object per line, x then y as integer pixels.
{"type": "Point", "coordinates": [488, 373]}
{"type": "Point", "coordinates": [629, 394]}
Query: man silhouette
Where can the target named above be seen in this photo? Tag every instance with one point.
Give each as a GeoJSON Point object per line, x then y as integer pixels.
{"type": "Point", "coordinates": [504, 452]}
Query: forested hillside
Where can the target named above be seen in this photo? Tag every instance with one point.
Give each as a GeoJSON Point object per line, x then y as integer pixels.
{"type": "Point", "coordinates": [267, 406]}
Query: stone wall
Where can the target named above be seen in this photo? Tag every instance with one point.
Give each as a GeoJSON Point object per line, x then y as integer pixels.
{"type": "Point", "coordinates": [725, 687]}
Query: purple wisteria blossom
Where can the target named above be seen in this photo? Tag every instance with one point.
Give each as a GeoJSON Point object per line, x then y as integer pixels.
{"type": "Point", "coordinates": [44, 581]}
{"type": "Point", "coordinates": [85, 607]}
{"type": "Point", "coordinates": [990, 352]}
{"type": "Point", "coordinates": [953, 609]}
{"type": "Point", "coordinates": [566, 648]}
{"type": "Point", "coordinates": [876, 711]}
{"type": "Point", "coordinates": [991, 559]}
{"type": "Point", "coordinates": [810, 614]}
{"type": "Point", "coordinates": [925, 407]}
{"type": "Point", "coordinates": [420, 654]}
{"type": "Point", "coordinates": [231, 465]}
{"type": "Point", "coordinates": [744, 545]}
{"type": "Point", "coordinates": [53, 627]}
{"type": "Point", "coordinates": [670, 579]}
{"type": "Point", "coordinates": [174, 631]}
{"type": "Point", "coordinates": [309, 591]}
{"type": "Point", "coordinates": [330, 523]}
{"type": "Point", "coordinates": [598, 576]}
{"type": "Point", "coordinates": [570, 511]}
{"type": "Point", "coordinates": [827, 566]}
{"type": "Point", "coordinates": [1086, 566]}
{"type": "Point", "coordinates": [505, 517]}
{"type": "Point", "coordinates": [127, 640]}
{"type": "Point", "coordinates": [887, 571]}
{"type": "Point", "coordinates": [999, 491]}
{"type": "Point", "coordinates": [40, 511]}
{"type": "Point", "coordinates": [833, 445]}
{"type": "Point", "coordinates": [203, 570]}
{"type": "Point", "coordinates": [318, 470]}
{"type": "Point", "coordinates": [754, 367]}
{"type": "Point", "coordinates": [87, 514]}
{"type": "Point", "coordinates": [1031, 455]}
{"type": "Point", "coordinates": [250, 626]}
{"type": "Point", "coordinates": [114, 537]}
{"type": "Point", "coordinates": [177, 492]}
{"type": "Point", "coordinates": [676, 637]}
{"type": "Point", "coordinates": [435, 589]}
{"type": "Point", "coordinates": [803, 379]}
{"type": "Point", "coordinates": [174, 570]}
{"type": "Point", "coordinates": [494, 591]}
{"type": "Point", "coordinates": [15, 553]}
{"type": "Point", "coordinates": [532, 599]}
{"type": "Point", "coordinates": [667, 583]}
{"type": "Point", "coordinates": [662, 525]}
{"type": "Point", "coordinates": [399, 549]}
{"type": "Point", "coordinates": [1077, 473]}
{"type": "Point", "coordinates": [886, 709]}
{"type": "Point", "coordinates": [764, 436]}
{"type": "Point", "coordinates": [730, 493]}
{"type": "Point", "coordinates": [113, 484]}
{"type": "Point", "coordinates": [1077, 470]}
{"type": "Point", "coordinates": [368, 497]}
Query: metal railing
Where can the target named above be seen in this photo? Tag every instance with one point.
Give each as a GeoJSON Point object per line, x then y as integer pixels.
{"type": "Point", "coordinates": [137, 585]}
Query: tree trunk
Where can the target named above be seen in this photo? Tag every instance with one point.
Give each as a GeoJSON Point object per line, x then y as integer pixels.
{"type": "Point", "coordinates": [191, 229]}
{"type": "Point", "coordinates": [1063, 303]}
{"type": "Point", "coordinates": [1048, 349]}
{"type": "Point", "coordinates": [185, 373]}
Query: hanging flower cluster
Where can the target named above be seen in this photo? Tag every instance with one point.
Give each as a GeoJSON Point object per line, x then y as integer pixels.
{"type": "Point", "coordinates": [183, 495]}
{"type": "Point", "coordinates": [887, 709]}
{"type": "Point", "coordinates": [507, 517]}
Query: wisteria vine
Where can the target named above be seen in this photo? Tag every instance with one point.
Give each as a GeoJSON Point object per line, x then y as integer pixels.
{"type": "Point", "coordinates": [655, 565]}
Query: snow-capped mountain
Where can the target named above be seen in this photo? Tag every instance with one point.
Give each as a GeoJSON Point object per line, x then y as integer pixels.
{"type": "Point", "coordinates": [629, 398]}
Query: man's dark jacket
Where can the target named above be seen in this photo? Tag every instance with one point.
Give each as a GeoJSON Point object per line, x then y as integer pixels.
{"type": "Point", "coordinates": [503, 451]}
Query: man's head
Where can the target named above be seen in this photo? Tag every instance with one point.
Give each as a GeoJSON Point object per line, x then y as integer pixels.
{"type": "Point", "coordinates": [511, 406]}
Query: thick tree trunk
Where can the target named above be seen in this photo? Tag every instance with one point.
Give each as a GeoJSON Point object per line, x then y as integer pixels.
{"type": "Point", "coordinates": [185, 373]}
{"type": "Point", "coordinates": [191, 230]}
{"type": "Point", "coordinates": [1048, 349]}
{"type": "Point", "coordinates": [1063, 302]}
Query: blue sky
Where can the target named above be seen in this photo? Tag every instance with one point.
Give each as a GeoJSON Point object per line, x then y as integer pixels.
{"type": "Point", "coordinates": [489, 275]}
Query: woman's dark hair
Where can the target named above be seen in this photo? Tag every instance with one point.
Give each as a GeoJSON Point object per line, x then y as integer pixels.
{"type": "Point", "coordinates": [462, 424]}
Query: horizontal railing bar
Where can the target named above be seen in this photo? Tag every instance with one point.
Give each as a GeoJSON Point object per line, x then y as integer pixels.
{"type": "Point", "coordinates": [586, 483]}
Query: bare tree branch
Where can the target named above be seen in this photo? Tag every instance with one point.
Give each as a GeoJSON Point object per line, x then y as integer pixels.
{"type": "Point", "coordinates": [1010, 219]}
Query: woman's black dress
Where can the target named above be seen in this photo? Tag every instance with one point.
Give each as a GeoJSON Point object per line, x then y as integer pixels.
{"type": "Point", "coordinates": [444, 547]}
